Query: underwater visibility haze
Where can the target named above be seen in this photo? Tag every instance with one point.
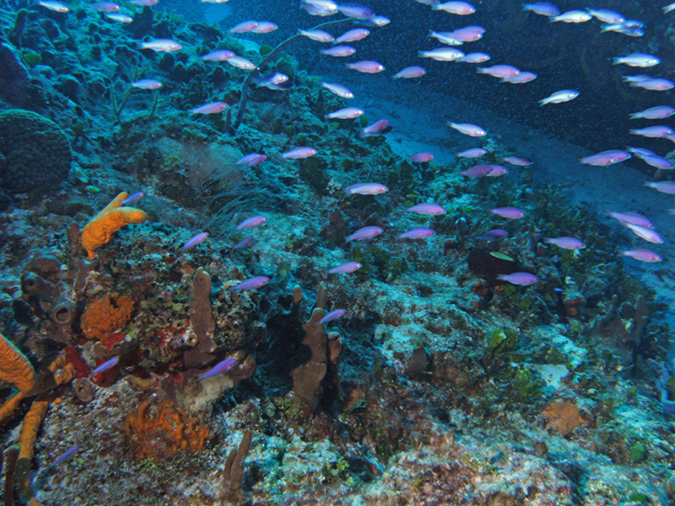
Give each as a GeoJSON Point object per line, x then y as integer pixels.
{"type": "Point", "coordinates": [283, 252]}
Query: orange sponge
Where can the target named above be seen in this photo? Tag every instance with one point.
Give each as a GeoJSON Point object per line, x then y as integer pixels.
{"type": "Point", "coordinates": [161, 434]}
{"type": "Point", "coordinates": [101, 228]}
{"type": "Point", "coordinates": [15, 367]}
{"type": "Point", "coordinates": [106, 315]}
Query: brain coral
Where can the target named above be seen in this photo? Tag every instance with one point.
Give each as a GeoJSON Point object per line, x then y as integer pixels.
{"type": "Point", "coordinates": [34, 152]}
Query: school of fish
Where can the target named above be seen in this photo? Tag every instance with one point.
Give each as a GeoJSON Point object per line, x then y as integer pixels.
{"type": "Point", "coordinates": [447, 52]}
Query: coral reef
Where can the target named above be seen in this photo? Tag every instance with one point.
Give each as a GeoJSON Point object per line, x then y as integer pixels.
{"type": "Point", "coordinates": [528, 395]}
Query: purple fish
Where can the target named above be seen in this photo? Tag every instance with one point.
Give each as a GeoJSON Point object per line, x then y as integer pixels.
{"type": "Point", "coordinates": [147, 84]}
{"type": "Point", "coordinates": [658, 162]}
{"type": "Point", "coordinates": [380, 127]}
{"type": "Point", "coordinates": [643, 255]}
{"type": "Point", "coordinates": [667, 187]}
{"type": "Point", "coordinates": [106, 365]}
{"type": "Point", "coordinates": [410, 72]}
{"type": "Point", "coordinates": [468, 33]}
{"type": "Point", "coordinates": [356, 11]}
{"type": "Point", "coordinates": [297, 153]}
{"type": "Point", "coordinates": [473, 58]}
{"type": "Point", "coordinates": [251, 283]}
{"type": "Point", "coordinates": [542, 8]}
{"type": "Point", "coordinates": [210, 108]}
{"type": "Point", "coordinates": [366, 67]}
{"type": "Point", "coordinates": [472, 153]}
{"type": "Point", "coordinates": [251, 222]}
{"type": "Point", "coordinates": [477, 171]}
{"type": "Point", "coordinates": [654, 84]}
{"type": "Point", "coordinates": [658, 112]}
{"type": "Point", "coordinates": [522, 78]}
{"type": "Point", "coordinates": [244, 26]}
{"type": "Point", "coordinates": [496, 171]}
{"type": "Point", "coordinates": [511, 213]}
{"type": "Point", "coordinates": [364, 233]}
{"type": "Point", "coordinates": [566, 242]}
{"type": "Point", "coordinates": [519, 278]}
{"type": "Point", "coordinates": [366, 189]}
{"type": "Point", "coordinates": [246, 242]}
{"type": "Point", "coordinates": [422, 157]}
{"type": "Point", "coordinates": [257, 160]}
{"type": "Point", "coordinates": [376, 21]}
{"type": "Point", "coordinates": [346, 113]}
{"type": "Point", "coordinates": [247, 159]}
{"type": "Point", "coordinates": [352, 35]}
{"type": "Point", "coordinates": [219, 368]}
{"type": "Point", "coordinates": [520, 161]}
{"type": "Point", "coordinates": [645, 233]}
{"type": "Point", "coordinates": [417, 233]}
{"type": "Point", "coordinates": [499, 71]}
{"type": "Point", "coordinates": [220, 55]}
{"type": "Point", "coordinates": [634, 218]}
{"type": "Point", "coordinates": [272, 81]}
{"type": "Point", "coordinates": [493, 235]}
{"type": "Point", "coordinates": [653, 131]}
{"type": "Point", "coordinates": [132, 198]}
{"type": "Point", "coordinates": [338, 89]}
{"type": "Point", "coordinates": [333, 315]}
{"type": "Point", "coordinates": [605, 158]}
{"type": "Point", "coordinates": [194, 241]}
{"type": "Point", "coordinates": [339, 51]}
{"type": "Point", "coordinates": [468, 129]}
{"type": "Point", "coordinates": [345, 267]}
{"type": "Point", "coordinates": [428, 209]}
{"type": "Point", "coordinates": [641, 152]}
{"type": "Point", "coordinates": [66, 455]}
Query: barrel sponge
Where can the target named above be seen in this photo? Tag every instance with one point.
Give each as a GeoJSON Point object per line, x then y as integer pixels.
{"type": "Point", "coordinates": [34, 152]}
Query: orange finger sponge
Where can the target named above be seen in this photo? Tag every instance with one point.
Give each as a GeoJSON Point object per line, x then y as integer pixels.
{"type": "Point", "coordinates": [101, 228]}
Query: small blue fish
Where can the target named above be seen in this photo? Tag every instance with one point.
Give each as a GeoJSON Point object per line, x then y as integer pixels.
{"type": "Point", "coordinates": [246, 242]}
{"type": "Point", "coordinates": [66, 455]}
{"type": "Point", "coordinates": [106, 365]}
{"type": "Point", "coordinates": [250, 283]}
{"type": "Point", "coordinates": [333, 315]}
{"type": "Point", "coordinates": [194, 241]}
{"type": "Point", "coordinates": [132, 198]}
{"type": "Point", "coordinates": [219, 368]}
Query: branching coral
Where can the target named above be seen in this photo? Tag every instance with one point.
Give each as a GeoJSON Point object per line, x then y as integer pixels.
{"type": "Point", "coordinates": [161, 434]}
{"type": "Point", "coordinates": [106, 315]}
{"type": "Point", "coordinates": [100, 229]}
{"type": "Point", "coordinates": [233, 474]}
{"type": "Point", "coordinates": [309, 378]}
